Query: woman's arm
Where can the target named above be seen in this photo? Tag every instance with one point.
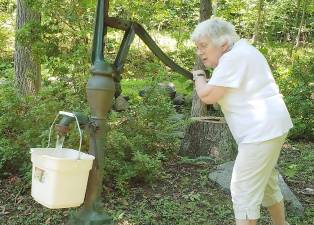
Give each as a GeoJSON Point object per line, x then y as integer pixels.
{"type": "Point", "coordinates": [208, 94]}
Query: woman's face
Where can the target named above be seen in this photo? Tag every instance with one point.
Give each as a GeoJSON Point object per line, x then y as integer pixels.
{"type": "Point", "coordinates": [209, 53]}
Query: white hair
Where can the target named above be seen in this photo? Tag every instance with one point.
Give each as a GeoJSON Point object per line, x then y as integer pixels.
{"type": "Point", "coordinates": [217, 30]}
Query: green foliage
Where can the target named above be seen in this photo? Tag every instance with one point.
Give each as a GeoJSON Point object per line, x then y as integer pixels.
{"type": "Point", "coordinates": [294, 75]}
{"type": "Point", "coordinates": [62, 39]}
{"type": "Point", "coordinates": [141, 139]}
{"type": "Point", "coordinates": [30, 35]}
{"type": "Point", "coordinates": [23, 126]}
{"type": "Point", "coordinates": [299, 96]}
{"type": "Point", "coordinates": [168, 15]}
{"type": "Point", "coordinates": [280, 18]}
{"type": "Point", "coordinates": [6, 32]}
{"type": "Point", "coordinates": [283, 20]}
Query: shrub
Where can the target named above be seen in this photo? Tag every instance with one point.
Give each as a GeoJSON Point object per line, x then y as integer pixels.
{"type": "Point", "coordinates": [141, 139]}
{"type": "Point", "coordinates": [298, 90]}
{"type": "Point", "coordinates": [25, 121]}
{"type": "Point", "coordinates": [294, 74]}
{"type": "Point", "coordinates": [138, 143]}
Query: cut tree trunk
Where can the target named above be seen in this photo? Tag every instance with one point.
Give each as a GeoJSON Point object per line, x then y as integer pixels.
{"type": "Point", "coordinates": [208, 136]}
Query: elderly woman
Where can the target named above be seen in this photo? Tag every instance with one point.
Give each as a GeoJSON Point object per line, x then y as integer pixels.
{"type": "Point", "coordinates": [243, 85]}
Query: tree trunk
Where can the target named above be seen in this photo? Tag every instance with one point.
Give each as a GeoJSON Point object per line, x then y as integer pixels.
{"type": "Point", "coordinates": [27, 67]}
{"type": "Point", "coordinates": [298, 13]}
{"type": "Point", "coordinates": [198, 107]}
{"type": "Point", "coordinates": [258, 21]}
{"type": "Point", "coordinates": [297, 42]}
{"type": "Point", "coordinates": [208, 136]}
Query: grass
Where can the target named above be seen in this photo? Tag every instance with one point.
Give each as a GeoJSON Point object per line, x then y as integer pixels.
{"type": "Point", "coordinates": [184, 196]}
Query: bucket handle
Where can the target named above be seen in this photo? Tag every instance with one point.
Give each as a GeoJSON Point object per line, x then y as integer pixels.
{"type": "Point", "coordinates": [78, 127]}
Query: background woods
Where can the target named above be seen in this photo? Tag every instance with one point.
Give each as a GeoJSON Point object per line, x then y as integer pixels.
{"type": "Point", "coordinates": [45, 50]}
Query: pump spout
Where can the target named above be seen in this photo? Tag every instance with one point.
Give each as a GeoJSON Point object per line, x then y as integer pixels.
{"type": "Point", "coordinates": [62, 128]}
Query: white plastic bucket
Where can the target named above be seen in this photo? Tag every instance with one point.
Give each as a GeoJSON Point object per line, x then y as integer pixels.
{"type": "Point", "coordinates": [59, 177]}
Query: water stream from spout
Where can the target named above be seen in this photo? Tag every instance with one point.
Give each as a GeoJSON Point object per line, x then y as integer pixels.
{"type": "Point", "coordinates": [59, 142]}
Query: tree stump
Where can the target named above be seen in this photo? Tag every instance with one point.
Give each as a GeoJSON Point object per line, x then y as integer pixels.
{"type": "Point", "coordinates": [208, 136]}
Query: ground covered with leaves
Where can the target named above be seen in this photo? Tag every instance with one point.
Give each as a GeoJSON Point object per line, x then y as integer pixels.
{"type": "Point", "coordinates": [184, 196]}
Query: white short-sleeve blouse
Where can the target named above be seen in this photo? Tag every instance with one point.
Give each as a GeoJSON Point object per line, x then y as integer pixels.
{"type": "Point", "coordinates": [253, 107]}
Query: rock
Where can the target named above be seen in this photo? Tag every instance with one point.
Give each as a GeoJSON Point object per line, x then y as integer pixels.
{"type": "Point", "coordinates": [126, 98]}
{"type": "Point", "coordinates": [292, 201]}
{"type": "Point", "coordinates": [52, 80]}
{"type": "Point", "coordinates": [170, 88]}
{"type": "Point", "coordinates": [121, 104]}
{"type": "Point", "coordinates": [222, 176]}
{"type": "Point", "coordinates": [167, 86]}
{"type": "Point", "coordinates": [178, 134]}
{"type": "Point", "coordinates": [178, 100]}
{"type": "Point", "coordinates": [142, 93]}
{"type": "Point", "coordinates": [188, 100]}
{"type": "Point", "coordinates": [308, 191]}
{"type": "Point", "coordinates": [176, 117]}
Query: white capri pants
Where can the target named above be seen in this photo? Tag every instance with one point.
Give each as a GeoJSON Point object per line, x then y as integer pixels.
{"type": "Point", "coordinates": [254, 178]}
